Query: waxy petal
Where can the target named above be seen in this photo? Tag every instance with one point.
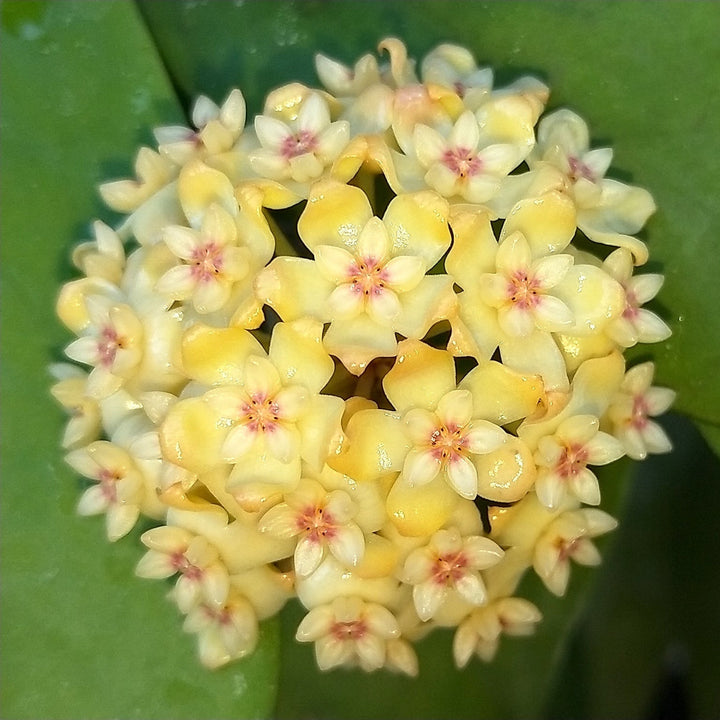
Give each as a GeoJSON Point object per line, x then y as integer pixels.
{"type": "Point", "coordinates": [484, 437]}
{"type": "Point", "coordinates": [238, 442]}
{"type": "Point", "coordinates": [182, 241]}
{"type": "Point", "coordinates": [373, 242]}
{"type": "Point", "coordinates": [420, 467]}
{"type": "Point", "coordinates": [471, 588]}
{"type": "Point", "coordinates": [335, 263]}
{"type": "Point", "coordinates": [404, 272]}
{"type": "Point", "coordinates": [308, 554]}
{"type": "Point", "coordinates": [271, 132]}
{"type": "Point", "coordinates": [282, 442]}
{"type": "Point", "coordinates": [428, 597]}
{"type": "Point", "coordinates": [383, 306]}
{"type": "Point", "coordinates": [463, 477]}
{"type": "Point", "coordinates": [455, 409]}
{"type": "Point", "coordinates": [346, 301]}
{"type": "Point", "coordinates": [348, 544]}
{"type": "Point", "coordinates": [429, 145]}
{"type": "Point", "coordinates": [421, 425]}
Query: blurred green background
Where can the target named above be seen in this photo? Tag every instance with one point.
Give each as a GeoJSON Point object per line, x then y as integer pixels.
{"type": "Point", "coordinates": [83, 83]}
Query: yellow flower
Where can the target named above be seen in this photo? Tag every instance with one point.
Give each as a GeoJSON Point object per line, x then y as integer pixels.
{"type": "Point", "coordinates": [633, 406]}
{"type": "Point", "coordinates": [368, 278]}
{"type": "Point", "coordinates": [480, 632]}
{"type": "Point", "coordinates": [211, 262]}
{"type": "Point", "coordinates": [349, 632]}
{"type": "Point", "coordinates": [449, 564]}
{"type": "Point", "coordinates": [569, 537]}
{"type": "Point", "coordinates": [301, 150]}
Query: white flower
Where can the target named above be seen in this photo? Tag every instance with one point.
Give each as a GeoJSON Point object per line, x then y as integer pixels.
{"type": "Point", "coordinates": [349, 631]}
{"type": "Point", "coordinates": [303, 149]}
{"type": "Point", "coordinates": [203, 575]}
{"type": "Point", "coordinates": [217, 129]}
{"type": "Point", "coordinates": [225, 632]}
{"type": "Point", "coordinates": [112, 344]}
{"type": "Point", "coordinates": [118, 490]}
{"type": "Point", "coordinates": [631, 410]}
{"type": "Point", "coordinates": [563, 457]}
{"type": "Point", "coordinates": [322, 520]}
{"type": "Point", "coordinates": [569, 537]}
{"type": "Point", "coordinates": [522, 289]}
{"type": "Point", "coordinates": [211, 261]}
{"type": "Point", "coordinates": [449, 563]}
{"type": "Point", "coordinates": [260, 409]}
{"type": "Point", "coordinates": [446, 441]}
{"type": "Point", "coordinates": [480, 632]}
{"type": "Point", "coordinates": [71, 392]}
{"type": "Point", "coordinates": [636, 324]}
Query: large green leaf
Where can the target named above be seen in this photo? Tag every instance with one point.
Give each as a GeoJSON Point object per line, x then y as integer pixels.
{"type": "Point", "coordinates": [82, 85]}
{"type": "Point", "coordinates": [81, 637]}
{"type": "Point", "coordinates": [653, 620]}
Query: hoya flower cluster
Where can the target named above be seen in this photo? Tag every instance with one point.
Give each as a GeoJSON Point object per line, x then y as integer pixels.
{"type": "Point", "coordinates": [365, 351]}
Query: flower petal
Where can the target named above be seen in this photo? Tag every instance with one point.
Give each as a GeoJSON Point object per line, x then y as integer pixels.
{"type": "Point", "coordinates": [420, 467]}
{"type": "Point", "coordinates": [463, 477]}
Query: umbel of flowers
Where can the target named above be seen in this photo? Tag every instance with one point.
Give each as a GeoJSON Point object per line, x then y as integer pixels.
{"type": "Point", "coordinates": [365, 351]}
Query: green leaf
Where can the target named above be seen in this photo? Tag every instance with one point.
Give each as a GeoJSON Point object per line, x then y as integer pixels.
{"type": "Point", "coordinates": [81, 636]}
{"type": "Point", "coordinates": [653, 619]}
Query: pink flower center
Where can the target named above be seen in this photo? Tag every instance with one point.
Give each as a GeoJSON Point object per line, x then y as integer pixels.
{"type": "Point", "coordinates": [261, 413]}
{"type": "Point", "coordinates": [349, 629]}
{"type": "Point", "coordinates": [221, 616]}
{"type": "Point", "coordinates": [298, 144]}
{"type": "Point", "coordinates": [107, 479]}
{"type": "Point", "coordinates": [524, 290]}
{"type": "Point", "coordinates": [463, 162]}
{"type": "Point", "coordinates": [459, 89]}
{"type": "Point", "coordinates": [108, 344]}
{"type": "Point", "coordinates": [184, 566]}
{"type": "Point", "coordinates": [317, 522]}
{"type": "Point", "coordinates": [450, 568]}
{"type": "Point", "coordinates": [572, 461]}
{"type": "Point", "coordinates": [566, 548]}
{"type": "Point", "coordinates": [207, 261]}
{"type": "Point", "coordinates": [368, 276]}
{"type": "Point", "coordinates": [447, 443]}
{"type": "Point", "coordinates": [632, 308]}
{"type": "Point", "coordinates": [578, 169]}
{"type": "Point", "coordinates": [639, 412]}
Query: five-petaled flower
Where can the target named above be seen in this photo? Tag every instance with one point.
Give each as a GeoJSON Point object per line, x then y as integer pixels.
{"type": "Point", "coordinates": [350, 631]}
{"type": "Point", "coordinates": [302, 149]}
{"type": "Point", "coordinates": [320, 520]}
{"type": "Point", "coordinates": [211, 263]}
{"type": "Point", "coordinates": [449, 564]}
{"type": "Point", "coordinates": [563, 460]}
{"type": "Point", "coordinates": [631, 410]}
{"type": "Point", "coordinates": [569, 536]}
{"type": "Point", "coordinates": [119, 487]}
